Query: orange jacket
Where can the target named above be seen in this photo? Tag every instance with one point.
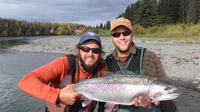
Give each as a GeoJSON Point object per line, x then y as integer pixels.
{"type": "Point", "coordinates": [36, 82]}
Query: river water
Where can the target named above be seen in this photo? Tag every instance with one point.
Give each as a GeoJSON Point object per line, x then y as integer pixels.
{"type": "Point", "coordinates": [14, 65]}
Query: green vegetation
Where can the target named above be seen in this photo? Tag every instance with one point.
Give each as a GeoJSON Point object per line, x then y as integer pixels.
{"type": "Point", "coordinates": [148, 13]}
{"type": "Point", "coordinates": [178, 30]}
{"type": "Point", "coordinates": [11, 27]}
{"type": "Point", "coordinates": [164, 20]}
{"type": "Point", "coordinates": [180, 33]}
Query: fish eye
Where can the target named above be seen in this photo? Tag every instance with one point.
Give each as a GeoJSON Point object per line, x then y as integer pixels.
{"type": "Point", "coordinates": [167, 88]}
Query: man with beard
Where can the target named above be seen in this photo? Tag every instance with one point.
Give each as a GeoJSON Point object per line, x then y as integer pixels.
{"type": "Point", "coordinates": [127, 58]}
{"type": "Point", "coordinates": [53, 82]}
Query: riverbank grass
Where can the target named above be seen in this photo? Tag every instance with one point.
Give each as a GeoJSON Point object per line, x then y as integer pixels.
{"type": "Point", "coordinates": [180, 33]}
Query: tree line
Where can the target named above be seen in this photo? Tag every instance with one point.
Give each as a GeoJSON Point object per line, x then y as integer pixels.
{"type": "Point", "coordinates": [148, 13]}
{"type": "Point", "coordinates": [12, 27]}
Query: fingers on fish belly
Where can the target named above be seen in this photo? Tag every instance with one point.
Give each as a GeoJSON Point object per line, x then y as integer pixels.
{"type": "Point", "coordinates": [144, 101]}
{"type": "Point", "coordinates": [109, 107]}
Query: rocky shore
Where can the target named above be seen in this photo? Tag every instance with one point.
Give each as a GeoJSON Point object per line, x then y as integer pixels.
{"type": "Point", "coordinates": [180, 61]}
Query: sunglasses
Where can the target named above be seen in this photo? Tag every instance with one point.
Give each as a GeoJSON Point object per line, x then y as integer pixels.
{"type": "Point", "coordinates": [87, 49]}
{"type": "Point", "coordinates": [125, 33]}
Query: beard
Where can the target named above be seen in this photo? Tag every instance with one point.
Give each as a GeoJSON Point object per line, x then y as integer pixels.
{"type": "Point", "coordinates": [88, 68]}
{"type": "Point", "coordinates": [122, 51]}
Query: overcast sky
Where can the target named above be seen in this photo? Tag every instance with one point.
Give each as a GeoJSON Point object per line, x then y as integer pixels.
{"type": "Point", "coordinates": [87, 12]}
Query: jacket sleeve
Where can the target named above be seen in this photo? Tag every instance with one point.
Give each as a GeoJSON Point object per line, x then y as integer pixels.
{"type": "Point", "coordinates": [160, 72]}
{"type": "Point", "coordinates": [155, 66]}
{"type": "Point", "coordinates": [36, 82]}
{"type": "Point", "coordinates": [152, 65]}
{"type": "Point", "coordinates": [168, 106]}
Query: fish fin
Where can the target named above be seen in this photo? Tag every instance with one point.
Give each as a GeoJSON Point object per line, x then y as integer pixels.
{"type": "Point", "coordinates": [83, 80]}
{"type": "Point", "coordinates": [110, 106]}
{"type": "Point", "coordinates": [85, 101]}
{"type": "Point", "coordinates": [107, 74]}
{"type": "Point", "coordinates": [115, 108]}
{"type": "Point", "coordinates": [87, 108]}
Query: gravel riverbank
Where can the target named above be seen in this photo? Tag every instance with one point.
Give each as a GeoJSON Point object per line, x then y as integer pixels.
{"type": "Point", "coordinates": [180, 61]}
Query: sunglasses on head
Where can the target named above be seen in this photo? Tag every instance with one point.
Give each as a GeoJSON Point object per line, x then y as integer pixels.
{"type": "Point", "coordinates": [87, 49]}
{"type": "Point", "coordinates": [125, 33]}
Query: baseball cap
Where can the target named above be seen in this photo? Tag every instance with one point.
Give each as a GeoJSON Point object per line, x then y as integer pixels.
{"type": "Point", "coordinates": [90, 36]}
{"type": "Point", "coordinates": [120, 22]}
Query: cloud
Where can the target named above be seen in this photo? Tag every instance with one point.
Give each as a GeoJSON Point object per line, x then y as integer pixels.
{"type": "Point", "coordinates": [88, 12]}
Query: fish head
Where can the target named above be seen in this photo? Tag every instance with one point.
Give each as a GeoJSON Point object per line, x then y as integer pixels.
{"type": "Point", "coordinates": [163, 90]}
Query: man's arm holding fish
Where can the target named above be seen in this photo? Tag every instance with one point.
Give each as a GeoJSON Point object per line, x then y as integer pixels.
{"type": "Point", "coordinates": [159, 73]}
{"type": "Point", "coordinates": [36, 83]}
{"type": "Point", "coordinates": [67, 95]}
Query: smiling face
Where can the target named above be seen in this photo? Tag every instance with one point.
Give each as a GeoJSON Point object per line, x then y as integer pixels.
{"type": "Point", "coordinates": [123, 42]}
{"type": "Point", "coordinates": [88, 57]}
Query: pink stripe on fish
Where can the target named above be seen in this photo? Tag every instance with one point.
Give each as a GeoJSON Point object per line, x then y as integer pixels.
{"type": "Point", "coordinates": [107, 87]}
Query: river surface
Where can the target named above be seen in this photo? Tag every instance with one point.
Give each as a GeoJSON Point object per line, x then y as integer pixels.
{"type": "Point", "coordinates": [14, 65]}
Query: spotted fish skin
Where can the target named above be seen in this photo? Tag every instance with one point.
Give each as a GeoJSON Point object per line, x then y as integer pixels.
{"type": "Point", "coordinates": [123, 88]}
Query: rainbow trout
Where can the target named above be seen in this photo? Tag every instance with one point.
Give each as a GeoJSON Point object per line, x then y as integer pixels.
{"type": "Point", "coordinates": [122, 89]}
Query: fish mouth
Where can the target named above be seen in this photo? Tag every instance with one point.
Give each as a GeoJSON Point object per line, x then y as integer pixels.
{"type": "Point", "coordinates": [169, 94]}
{"type": "Point", "coordinates": [173, 93]}
{"type": "Point", "coordinates": [172, 90]}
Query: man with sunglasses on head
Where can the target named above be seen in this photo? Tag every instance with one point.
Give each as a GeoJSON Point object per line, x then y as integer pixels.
{"type": "Point", "coordinates": [127, 58]}
{"type": "Point", "coordinates": [53, 82]}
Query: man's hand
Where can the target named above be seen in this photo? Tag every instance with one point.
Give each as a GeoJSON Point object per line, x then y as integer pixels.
{"type": "Point", "coordinates": [144, 102]}
{"type": "Point", "coordinates": [67, 95]}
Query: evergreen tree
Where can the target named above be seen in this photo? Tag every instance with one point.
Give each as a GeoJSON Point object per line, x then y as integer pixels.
{"type": "Point", "coordinates": [198, 11]}
{"type": "Point", "coordinates": [147, 14]}
{"type": "Point", "coordinates": [192, 12]}
{"type": "Point", "coordinates": [182, 11]}
{"type": "Point", "coordinates": [101, 26]}
{"type": "Point", "coordinates": [128, 13]}
{"type": "Point", "coordinates": [108, 25]}
{"type": "Point", "coordinates": [168, 11]}
{"type": "Point", "coordinates": [135, 9]}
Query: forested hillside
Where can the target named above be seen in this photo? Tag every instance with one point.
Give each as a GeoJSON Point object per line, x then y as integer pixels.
{"type": "Point", "coordinates": [147, 17]}
{"type": "Point", "coordinates": [160, 12]}
{"type": "Point", "coordinates": [11, 27]}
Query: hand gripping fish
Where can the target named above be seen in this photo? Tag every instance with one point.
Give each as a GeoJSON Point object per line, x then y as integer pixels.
{"type": "Point", "coordinates": [122, 89]}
